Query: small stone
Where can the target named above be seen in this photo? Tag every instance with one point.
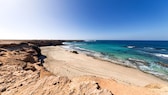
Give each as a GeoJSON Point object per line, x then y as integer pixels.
{"type": "Point", "coordinates": [98, 87]}
{"type": "Point", "coordinates": [1, 63]}
{"type": "Point", "coordinates": [21, 85]}
{"type": "Point", "coordinates": [3, 89]}
{"type": "Point", "coordinates": [55, 83]}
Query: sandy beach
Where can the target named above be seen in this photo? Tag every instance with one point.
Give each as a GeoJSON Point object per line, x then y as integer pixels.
{"type": "Point", "coordinates": [64, 63]}
{"type": "Point", "coordinates": [67, 73]}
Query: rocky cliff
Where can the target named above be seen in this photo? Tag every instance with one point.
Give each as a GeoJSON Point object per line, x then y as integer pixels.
{"type": "Point", "coordinates": [21, 73]}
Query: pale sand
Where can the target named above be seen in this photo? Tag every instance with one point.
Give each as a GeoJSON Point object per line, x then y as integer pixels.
{"type": "Point", "coordinates": [64, 63]}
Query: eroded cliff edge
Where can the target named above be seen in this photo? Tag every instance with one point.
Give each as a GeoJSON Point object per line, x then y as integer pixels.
{"type": "Point", "coordinates": [21, 73]}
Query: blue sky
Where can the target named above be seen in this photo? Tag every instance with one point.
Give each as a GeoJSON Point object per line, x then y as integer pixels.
{"type": "Point", "coordinates": [84, 19]}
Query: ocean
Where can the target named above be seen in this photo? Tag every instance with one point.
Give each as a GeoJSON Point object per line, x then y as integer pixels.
{"type": "Point", "coordinates": [147, 56]}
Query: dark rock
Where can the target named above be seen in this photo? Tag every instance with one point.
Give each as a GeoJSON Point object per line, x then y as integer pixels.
{"type": "Point", "coordinates": [37, 49]}
{"type": "Point", "coordinates": [1, 63]}
{"type": "Point", "coordinates": [2, 50]}
{"type": "Point", "coordinates": [55, 83]}
{"type": "Point", "coordinates": [3, 89]}
{"type": "Point", "coordinates": [75, 52]}
{"type": "Point", "coordinates": [46, 42]}
{"type": "Point", "coordinates": [14, 46]}
{"type": "Point", "coordinates": [162, 64]}
{"type": "Point", "coordinates": [41, 59]}
{"type": "Point", "coordinates": [138, 62]}
{"type": "Point", "coordinates": [2, 54]}
{"type": "Point", "coordinates": [29, 58]}
{"type": "Point", "coordinates": [21, 84]}
{"type": "Point", "coordinates": [98, 87]}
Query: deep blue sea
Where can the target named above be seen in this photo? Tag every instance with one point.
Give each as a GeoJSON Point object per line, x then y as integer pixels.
{"type": "Point", "coordinates": [147, 56]}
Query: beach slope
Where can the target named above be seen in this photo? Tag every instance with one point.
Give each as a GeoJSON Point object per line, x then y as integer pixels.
{"type": "Point", "coordinates": [79, 66]}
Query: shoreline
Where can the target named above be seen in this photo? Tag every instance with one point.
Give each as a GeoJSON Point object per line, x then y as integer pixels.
{"type": "Point", "coordinates": [73, 63]}
{"type": "Point", "coordinates": [127, 66]}
{"type": "Point", "coordinates": [23, 74]}
{"type": "Point", "coordinates": [117, 62]}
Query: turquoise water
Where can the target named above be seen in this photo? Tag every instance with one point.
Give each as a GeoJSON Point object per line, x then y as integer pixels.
{"type": "Point", "coordinates": [147, 56]}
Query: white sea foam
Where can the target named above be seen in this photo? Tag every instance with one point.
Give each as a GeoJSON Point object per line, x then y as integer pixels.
{"type": "Point", "coordinates": [81, 49]}
{"type": "Point", "coordinates": [139, 63]}
{"type": "Point", "coordinates": [130, 46]}
{"type": "Point", "coordinates": [66, 46]}
{"type": "Point", "coordinates": [162, 55]}
{"type": "Point", "coordinates": [144, 68]}
{"type": "Point", "coordinates": [66, 43]}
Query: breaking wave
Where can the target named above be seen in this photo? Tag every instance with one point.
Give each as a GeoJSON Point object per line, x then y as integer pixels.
{"type": "Point", "coordinates": [162, 55]}
{"type": "Point", "coordinates": [154, 68]}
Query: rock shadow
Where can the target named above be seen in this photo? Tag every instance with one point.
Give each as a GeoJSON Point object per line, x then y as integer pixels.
{"type": "Point", "coordinates": [41, 59]}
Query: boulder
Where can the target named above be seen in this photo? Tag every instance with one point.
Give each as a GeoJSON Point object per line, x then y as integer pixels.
{"type": "Point", "coordinates": [75, 52]}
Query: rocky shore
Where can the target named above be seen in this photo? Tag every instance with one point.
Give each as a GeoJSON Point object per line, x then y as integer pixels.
{"type": "Point", "coordinates": [21, 73]}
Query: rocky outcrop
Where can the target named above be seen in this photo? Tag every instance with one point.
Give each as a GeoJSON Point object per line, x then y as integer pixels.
{"type": "Point", "coordinates": [22, 74]}
{"type": "Point", "coordinates": [4, 43]}
{"type": "Point", "coordinates": [46, 42]}
{"type": "Point", "coordinates": [56, 85]}
{"type": "Point", "coordinates": [19, 66]}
